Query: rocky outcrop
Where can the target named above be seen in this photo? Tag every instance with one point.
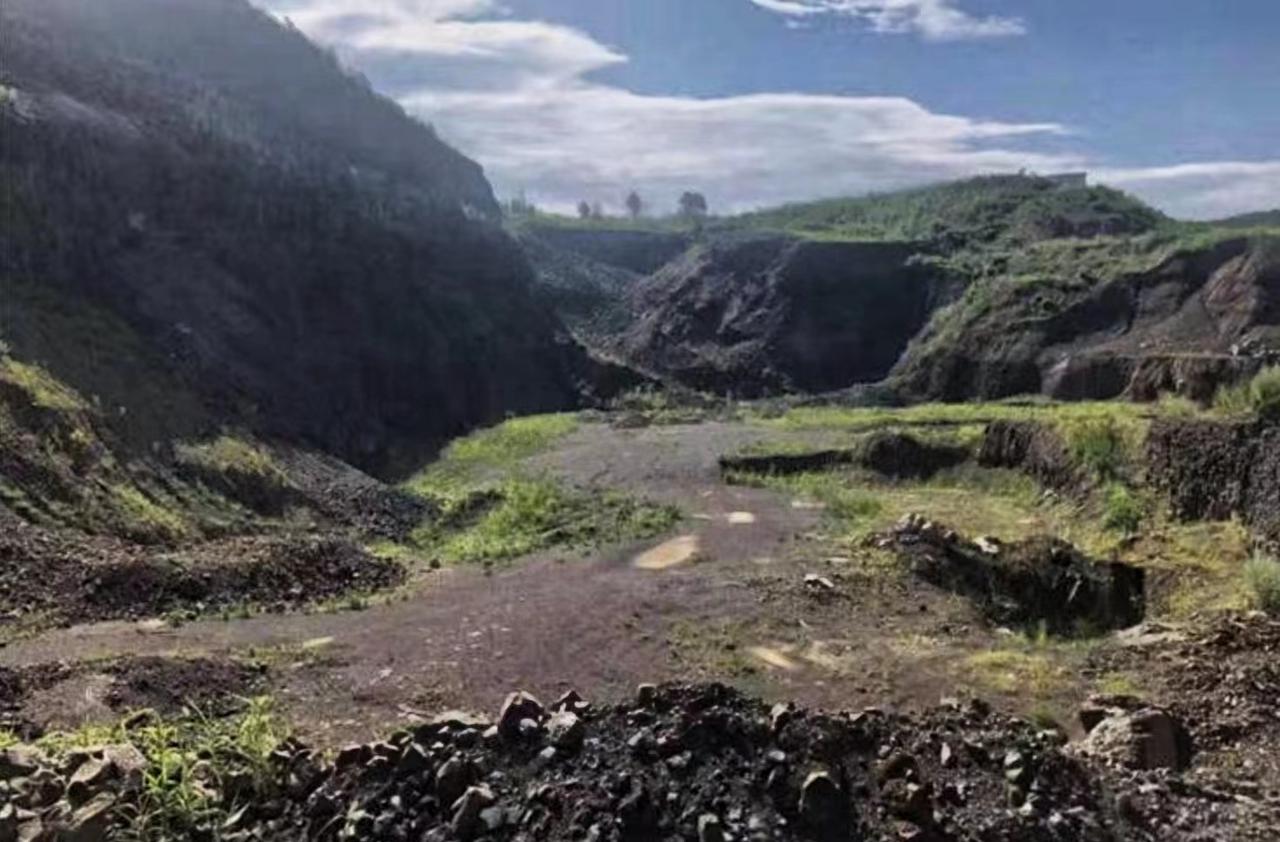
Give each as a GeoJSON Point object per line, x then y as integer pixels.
{"type": "Point", "coordinates": [1199, 319]}
{"type": "Point", "coordinates": [755, 315]}
{"type": "Point", "coordinates": [313, 262]}
{"type": "Point", "coordinates": [1040, 581]}
{"type": "Point", "coordinates": [1215, 470]}
{"type": "Point", "coordinates": [1030, 447]}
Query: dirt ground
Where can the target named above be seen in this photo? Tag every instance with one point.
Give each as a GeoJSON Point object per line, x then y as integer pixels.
{"type": "Point", "coordinates": [723, 597]}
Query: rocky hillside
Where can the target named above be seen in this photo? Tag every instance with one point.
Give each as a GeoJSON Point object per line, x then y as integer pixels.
{"type": "Point", "coordinates": [297, 252]}
{"type": "Point", "coordinates": [754, 315]}
{"type": "Point", "coordinates": [982, 288]}
{"type": "Point", "coordinates": [1193, 317]}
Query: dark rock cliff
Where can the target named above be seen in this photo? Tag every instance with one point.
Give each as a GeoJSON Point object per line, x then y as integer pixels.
{"type": "Point", "coordinates": [1198, 318]}
{"type": "Point", "coordinates": [756, 315]}
{"type": "Point", "coordinates": [311, 260]}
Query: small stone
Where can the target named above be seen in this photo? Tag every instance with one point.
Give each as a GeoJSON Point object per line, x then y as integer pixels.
{"type": "Point", "coordinates": [709, 829]}
{"type": "Point", "coordinates": [570, 702]}
{"type": "Point", "coordinates": [780, 714]}
{"type": "Point", "coordinates": [566, 731]}
{"type": "Point", "coordinates": [646, 695]}
{"type": "Point", "coordinates": [352, 756]}
{"type": "Point", "coordinates": [816, 582]}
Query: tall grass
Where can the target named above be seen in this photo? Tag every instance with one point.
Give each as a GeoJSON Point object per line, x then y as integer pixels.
{"type": "Point", "coordinates": [1262, 577]}
{"type": "Point", "coordinates": [1259, 396]}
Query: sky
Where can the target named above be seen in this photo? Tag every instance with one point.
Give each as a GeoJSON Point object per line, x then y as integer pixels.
{"type": "Point", "coordinates": [758, 102]}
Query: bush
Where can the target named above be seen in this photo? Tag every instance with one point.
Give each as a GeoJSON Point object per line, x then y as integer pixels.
{"type": "Point", "coordinates": [1123, 511]}
{"type": "Point", "coordinates": [1260, 396]}
{"type": "Point", "coordinates": [1098, 445]}
{"type": "Point", "coordinates": [1262, 576]}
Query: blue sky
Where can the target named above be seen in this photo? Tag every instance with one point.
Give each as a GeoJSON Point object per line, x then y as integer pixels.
{"type": "Point", "coordinates": [761, 101]}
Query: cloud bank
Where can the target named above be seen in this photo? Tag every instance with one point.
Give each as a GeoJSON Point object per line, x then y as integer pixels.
{"type": "Point", "coordinates": [518, 95]}
{"type": "Point", "coordinates": [933, 20]}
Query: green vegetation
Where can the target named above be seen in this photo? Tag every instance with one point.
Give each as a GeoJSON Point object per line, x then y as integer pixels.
{"type": "Point", "coordinates": [44, 390]}
{"type": "Point", "coordinates": [1259, 396]}
{"type": "Point", "coordinates": [145, 519]}
{"type": "Point", "coordinates": [1122, 509]}
{"type": "Point", "coordinates": [1097, 446]}
{"type": "Point", "coordinates": [1262, 577]}
{"type": "Point", "coordinates": [491, 451]}
{"type": "Point", "coordinates": [230, 455]}
{"type": "Point", "coordinates": [200, 769]}
{"type": "Point", "coordinates": [521, 516]}
{"type": "Point", "coordinates": [1018, 208]}
{"type": "Point", "coordinates": [490, 509]}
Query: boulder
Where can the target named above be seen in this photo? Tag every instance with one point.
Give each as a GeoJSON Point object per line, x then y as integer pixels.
{"type": "Point", "coordinates": [1148, 738]}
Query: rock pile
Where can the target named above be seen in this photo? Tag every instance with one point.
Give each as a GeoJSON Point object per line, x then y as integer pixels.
{"type": "Point", "coordinates": [74, 800]}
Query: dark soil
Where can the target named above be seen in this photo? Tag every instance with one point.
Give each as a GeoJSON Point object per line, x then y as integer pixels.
{"type": "Point", "coordinates": [1030, 447]}
{"type": "Point", "coordinates": [57, 577]}
{"type": "Point", "coordinates": [35, 700]}
{"type": "Point", "coordinates": [1040, 581]}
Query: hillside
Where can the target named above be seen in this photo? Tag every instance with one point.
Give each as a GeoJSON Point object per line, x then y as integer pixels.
{"type": "Point", "coordinates": [312, 263]}
{"type": "Point", "coordinates": [979, 268]}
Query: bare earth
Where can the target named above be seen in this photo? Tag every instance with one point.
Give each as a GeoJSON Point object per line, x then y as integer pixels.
{"type": "Point", "coordinates": [723, 597]}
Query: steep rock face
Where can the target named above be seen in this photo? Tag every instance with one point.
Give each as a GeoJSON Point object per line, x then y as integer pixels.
{"type": "Point", "coordinates": [757, 315]}
{"type": "Point", "coordinates": [1215, 470]}
{"type": "Point", "coordinates": [1195, 319]}
{"type": "Point", "coordinates": [308, 258]}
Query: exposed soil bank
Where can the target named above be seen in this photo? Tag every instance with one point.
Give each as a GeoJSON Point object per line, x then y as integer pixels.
{"type": "Point", "coordinates": [1214, 470]}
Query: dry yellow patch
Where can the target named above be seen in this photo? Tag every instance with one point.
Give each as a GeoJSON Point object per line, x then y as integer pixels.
{"type": "Point", "coordinates": [775, 658]}
{"type": "Point", "coordinates": [672, 553]}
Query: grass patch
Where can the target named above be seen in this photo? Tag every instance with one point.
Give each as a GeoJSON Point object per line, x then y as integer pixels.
{"type": "Point", "coordinates": [1262, 577]}
{"type": "Point", "coordinates": [528, 515]}
{"type": "Point", "coordinates": [842, 500]}
{"type": "Point", "coordinates": [468, 459]}
{"type": "Point", "coordinates": [44, 390]}
{"type": "Point", "coordinates": [228, 454]}
{"type": "Point", "coordinates": [1259, 396]}
{"type": "Point", "coordinates": [145, 518]}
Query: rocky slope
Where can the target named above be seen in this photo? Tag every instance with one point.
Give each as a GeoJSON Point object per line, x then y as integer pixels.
{"type": "Point", "coordinates": [1198, 317]}
{"type": "Point", "coordinates": [754, 315]}
{"type": "Point", "coordinates": [308, 259]}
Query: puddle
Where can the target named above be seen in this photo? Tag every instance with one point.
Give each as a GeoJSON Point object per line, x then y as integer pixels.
{"type": "Point", "coordinates": [673, 553]}
{"type": "Point", "coordinates": [740, 518]}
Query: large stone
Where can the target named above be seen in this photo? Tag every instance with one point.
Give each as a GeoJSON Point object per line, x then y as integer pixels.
{"type": "Point", "coordinates": [90, 822]}
{"type": "Point", "coordinates": [823, 809]}
{"type": "Point", "coordinates": [517, 708]}
{"type": "Point", "coordinates": [453, 778]}
{"type": "Point", "coordinates": [467, 809]}
{"type": "Point", "coordinates": [19, 762]}
{"type": "Point", "coordinates": [1149, 738]}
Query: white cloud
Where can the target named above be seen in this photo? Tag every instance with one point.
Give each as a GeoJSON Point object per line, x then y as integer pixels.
{"type": "Point", "coordinates": [1208, 190]}
{"type": "Point", "coordinates": [518, 96]}
{"type": "Point", "coordinates": [933, 20]}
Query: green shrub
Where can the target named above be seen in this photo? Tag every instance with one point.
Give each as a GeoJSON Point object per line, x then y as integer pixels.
{"type": "Point", "coordinates": [1122, 510]}
{"type": "Point", "coordinates": [1262, 576]}
{"type": "Point", "coordinates": [1097, 444]}
{"type": "Point", "coordinates": [1259, 396]}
